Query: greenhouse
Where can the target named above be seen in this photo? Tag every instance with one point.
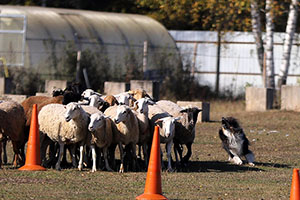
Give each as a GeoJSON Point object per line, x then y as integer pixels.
{"type": "Point", "coordinates": [38, 38]}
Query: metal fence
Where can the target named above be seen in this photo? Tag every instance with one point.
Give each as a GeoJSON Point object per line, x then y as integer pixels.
{"type": "Point", "coordinates": [238, 59]}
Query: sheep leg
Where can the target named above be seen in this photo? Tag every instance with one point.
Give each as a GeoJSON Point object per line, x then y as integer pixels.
{"type": "Point", "coordinates": [145, 152]}
{"type": "Point", "coordinates": [106, 160]}
{"type": "Point", "coordinates": [61, 153]}
{"type": "Point", "coordinates": [4, 142]}
{"type": "Point", "coordinates": [177, 151]}
{"type": "Point", "coordinates": [169, 149]}
{"type": "Point", "coordinates": [80, 157]}
{"type": "Point", "coordinates": [99, 153]}
{"type": "Point", "coordinates": [188, 154]}
{"type": "Point", "coordinates": [94, 158]}
{"type": "Point", "coordinates": [111, 151]}
{"type": "Point", "coordinates": [121, 158]}
{"type": "Point", "coordinates": [133, 153]}
{"type": "Point", "coordinates": [139, 152]}
{"type": "Point", "coordinates": [0, 153]}
{"type": "Point", "coordinates": [17, 153]}
{"type": "Point", "coordinates": [73, 155]}
{"type": "Point", "coordinates": [45, 142]}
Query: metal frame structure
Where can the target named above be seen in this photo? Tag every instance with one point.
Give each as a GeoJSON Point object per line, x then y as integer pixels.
{"type": "Point", "coordinates": [22, 31]}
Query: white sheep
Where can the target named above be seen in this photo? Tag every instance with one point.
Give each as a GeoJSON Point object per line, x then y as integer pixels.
{"type": "Point", "coordinates": [141, 111]}
{"type": "Point", "coordinates": [184, 129]}
{"type": "Point", "coordinates": [88, 92]}
{"type": "Point", "coordinates": [95, 99]}
{"type": "Point", "coordinates": [65, 125]}
{"type": "Point", "coordinates": [166, 128]}
{"type": "Point", "coordinates": [128, 130]}
{"type": "Point", "coordinates": [125, 98]}
{"type": "Point", "coordinates": [101, 134]}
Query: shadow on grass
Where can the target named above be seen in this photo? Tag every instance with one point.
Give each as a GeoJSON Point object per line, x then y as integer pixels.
{"type": "Point", "coordinates": [276, 165]}
{"type": "Point", "coordinates": [222, 166]}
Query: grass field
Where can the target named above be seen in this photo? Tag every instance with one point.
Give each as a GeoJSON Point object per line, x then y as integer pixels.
{"type": "Point", "coordinates": [275, 141]}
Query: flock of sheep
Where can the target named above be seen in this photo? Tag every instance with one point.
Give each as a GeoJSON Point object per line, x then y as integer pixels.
{"type": "Point", "coordinates": [91, 126]}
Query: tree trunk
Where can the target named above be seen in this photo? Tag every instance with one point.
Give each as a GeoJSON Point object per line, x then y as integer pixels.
{"type": "Point", "coordinates": [288, 41]}
{"type": "Point", "coordinates": [269, 45]}
{"type": "Point", "coordinates": [256, 29]}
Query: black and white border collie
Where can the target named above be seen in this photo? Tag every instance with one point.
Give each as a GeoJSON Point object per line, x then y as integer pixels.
{"type": "Point", "coordinates": [234, 141]}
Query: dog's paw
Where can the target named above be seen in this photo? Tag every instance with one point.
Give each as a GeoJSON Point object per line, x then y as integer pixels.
{"type": "Point", "coordinates": [237, 160]}
{"type": "Point", "coordinates": [229, 158]}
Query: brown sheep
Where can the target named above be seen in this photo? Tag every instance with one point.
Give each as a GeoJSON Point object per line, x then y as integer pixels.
{"type": "Point", "coordinates": [111, 100]}
{"type": "Point", "coordinates": [138, 94]}
{"type": "Point", "coordinates": [40, 101]}
{"type": "Point", "coordinates": [12, 120]}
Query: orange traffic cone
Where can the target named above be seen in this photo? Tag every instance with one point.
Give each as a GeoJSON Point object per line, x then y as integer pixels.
{"type": "Point", "coordinates": [295, 189]}
{"type": "Point", "coordinates": [153, 180]}
{"type": "Point", "coordinates": [33, 158]}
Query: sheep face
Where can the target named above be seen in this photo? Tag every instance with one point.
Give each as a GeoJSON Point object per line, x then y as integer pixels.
{"type": "Point", "coordinates": [122, 113]}
{"type": "Point", "coordinates": [72, 111]}
{"type": "Point", "coordinates": [95, 100]}
{"type": "Point", "coordinates": [87, 93]}
{"type": "Point", "coordinates": [142, 105]}
{"type": "Point", "coordinates": [168, 125]}
{"type": "Point", "coordinates": [123, 99]}
{"type": "Point", "coordinates": [97, 121]}
{"type": "Point", "coordinates": [192, 114]}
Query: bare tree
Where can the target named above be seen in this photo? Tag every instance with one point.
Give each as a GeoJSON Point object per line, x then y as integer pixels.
{"type": "Point", "coordinates": [270, 83]}
{"type": "Point", "coordinates": [257, 33]}
{"type": "Point", "coordinates": [289, 35]}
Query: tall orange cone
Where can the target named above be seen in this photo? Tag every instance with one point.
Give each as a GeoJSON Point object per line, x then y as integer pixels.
{"type": "Point", "coordinates": [295, 189]}
{"type": "Point", "coordinates": [33, 158]}
{"type": "Point", "coordinates": [153, 181]}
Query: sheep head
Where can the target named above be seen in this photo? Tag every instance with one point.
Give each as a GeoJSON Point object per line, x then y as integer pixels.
{"type": "Point", "coordinates": [168, 125]}
{"type": "Point", "coordinates": [72, 111]}
{"type": "Point", "coordinates": [87, 93]}
{"type": "Point", "coordinates": [122, 113]}
{"type": "Point", "coordinates": [192, 114]}
{"type": "Point", "coordinates": [97, 120]}
{"type": "Point", "coordinates": [141, 105]}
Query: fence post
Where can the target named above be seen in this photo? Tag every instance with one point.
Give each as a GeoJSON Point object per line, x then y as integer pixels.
{"type": "Point", "coordinates": [194, 58]}
{"type": "Point", "coordinates": [218, 63]}
{"type": "Point", "coordinates": [145, 55]}
{"type": "Point", "coordinates": [78, 66]}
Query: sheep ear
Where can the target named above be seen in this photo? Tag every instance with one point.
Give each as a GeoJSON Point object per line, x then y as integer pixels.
{"type": "Point", "coordinates": [130, 92]}
{"type": "Point", "coordinates": [132, 98]}
{"type": "Point", "coordinates": [149, 101]}
{"type": "Point", "coordinates": [135, 105]}
{"type": "Point", "coordinates": [184, 110]}
{"type": "Point", "coordinates": [159, 120]}
{"type": "Point", "coordinates": [176, 119]}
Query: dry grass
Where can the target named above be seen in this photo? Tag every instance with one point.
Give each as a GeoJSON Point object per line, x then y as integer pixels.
{"type": "Point", "coordinates": [274, 136]}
